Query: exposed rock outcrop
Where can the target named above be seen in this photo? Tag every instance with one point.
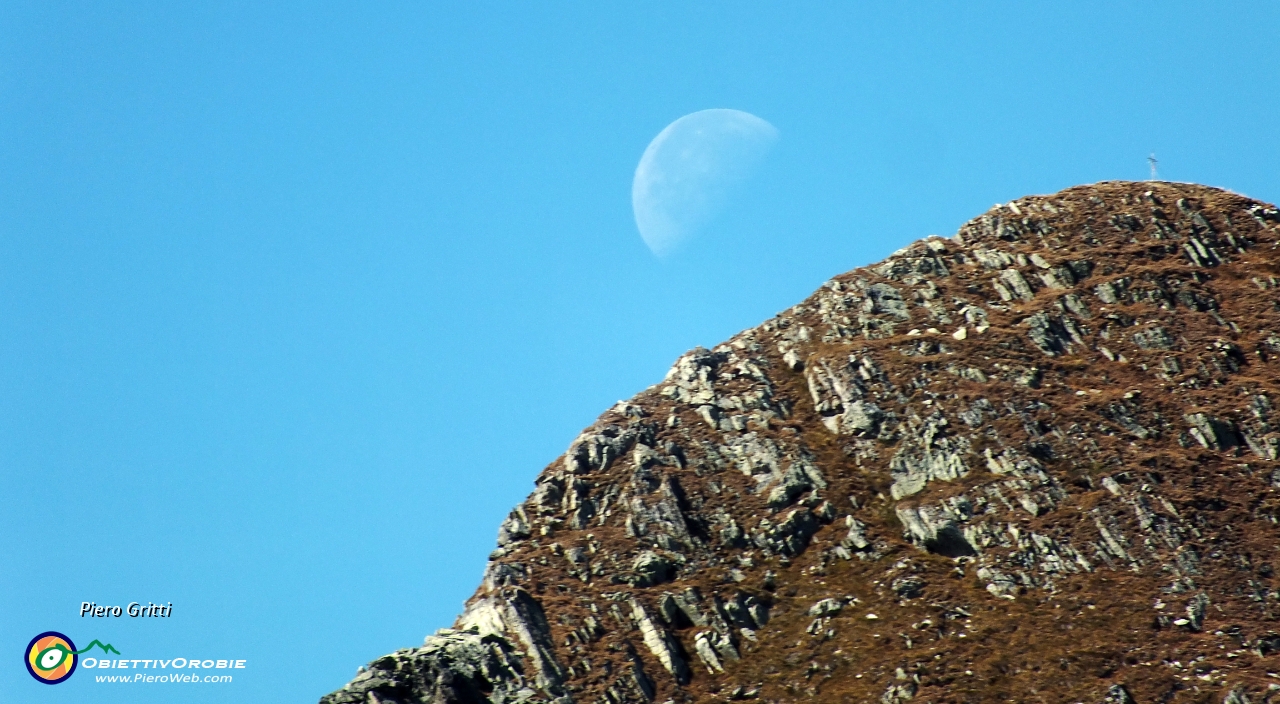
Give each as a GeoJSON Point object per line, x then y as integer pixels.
{"type": "Point", "coordinates": [1036, 461]}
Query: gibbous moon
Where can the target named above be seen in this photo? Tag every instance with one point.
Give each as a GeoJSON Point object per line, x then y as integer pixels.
{"type": "Point", "coordinates": [690, 169]}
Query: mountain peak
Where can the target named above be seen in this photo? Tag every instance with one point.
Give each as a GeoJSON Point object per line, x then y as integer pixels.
{"type": "Point", "coordinates": [1036, 461]}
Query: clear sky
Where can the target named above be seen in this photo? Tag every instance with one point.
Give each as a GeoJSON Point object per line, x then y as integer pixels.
{"type": "Point", "coordinates": [298, 299]}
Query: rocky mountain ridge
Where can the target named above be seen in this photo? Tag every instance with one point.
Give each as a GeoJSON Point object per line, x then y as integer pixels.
{"type": "Point", "coordinates": [1036, 461]}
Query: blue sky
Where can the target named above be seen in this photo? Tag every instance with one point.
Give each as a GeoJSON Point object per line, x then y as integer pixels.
{"type": "Point", "coordinates": [298, 299]}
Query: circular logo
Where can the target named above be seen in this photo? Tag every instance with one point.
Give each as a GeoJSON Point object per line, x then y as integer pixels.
{"type": "Point", "coordinates": [51, 657]}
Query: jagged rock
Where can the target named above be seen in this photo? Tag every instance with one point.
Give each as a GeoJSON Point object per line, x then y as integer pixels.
{"type": "Point", "coordinates": [1195, 612]}
{"type": "Point", "coordinates": [1015, 286]}
{"type": "Point", "coordinates": [902, 692]}
{"type": "Point", "coordinates": [1213, 433]}
{"type": "Point", "coordinates": [854, 541]}
{"type": "Point", "coordinates": [935, 531]}
{"type": "Point", "coordinates": [1054, 334]}
{"type": "Point", "coordinates": [656, 510]}
{"type": "Point", "coordinates": [837, 393]}
{"type": "Point", "coordinates": [927, 455]}
{"type": "Point", "coordinates": [452, 666]}
{"type": "Point", "coordinates": [883, 298]}
{"type": "Point", "coordinates": [799, 477]}
{"type": "Point", "coordinates": [714, 648]}
{"type": "Point", "coordinates": [689, 602]}
{"type": "Point", "coordinates": [791, 536]}
{"type": "Point", "coordinates": [1118, 694]}
{"type": "Point", "coordinates": [862, 417]}
{"type": "Point", "coordinates": [1156, 338]}
{"type": "Point", "coordinates": [826, 607]}
{"type": "Point", "coordinates": [516, 527]}
{"type": "Point", "coordinates": [908, 587]}
{"type": "Point", "coordinates": [707, 652]}
{"type": "Point", "coordinates": [1068, 406]}
{"type": "Point", "coordinates": [597, 451]}
{"type": "Point", "coordinates": [660, 643]}
{"type": "Point", "coordinates": [651, 568]}
{"type": "Point", "coordinates": [515, 612]}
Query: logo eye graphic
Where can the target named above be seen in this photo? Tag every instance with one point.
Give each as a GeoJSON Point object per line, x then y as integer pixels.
{"type": "Point", "coordinates": [51, 657]}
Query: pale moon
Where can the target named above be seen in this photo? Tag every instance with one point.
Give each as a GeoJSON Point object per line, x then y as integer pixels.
{"type": "Point", "coordinates": [689, 171]}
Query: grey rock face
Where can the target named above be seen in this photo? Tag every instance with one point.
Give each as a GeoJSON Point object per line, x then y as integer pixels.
{"type": "Point", "coordinates": [452, 667]}
{"type": "Point", "coordinates": [936, 531]}
{"type": "Point", "coordinates": [652, 568]}
{"type": "Point", "coordinates": [826, 607]}
{"type": "Point", "coordinates": [1054, 334]}
{"type": "Point", "coordinates": [1195, 612]}
{"type": "Point", "coordinates": [661, 644]}
{"type": "Point", "coordinates": [927, 454]}
{"type": "Point", "coordinates": [791, 536]}
{"type": "Point", "coordinates": [899, 693]}
{"type": "Point", "coordinates": [1156, 338]}
{"type": "Point", "coordinates": [908, 587]}
{"type": "Point", "coordinates": [1213, 433]}
{"type": "Point", "coordinates": [883, 298]}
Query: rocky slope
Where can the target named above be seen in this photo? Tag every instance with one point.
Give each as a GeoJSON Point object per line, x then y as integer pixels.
{"type": "Point", "coordinates": [1034, 462]}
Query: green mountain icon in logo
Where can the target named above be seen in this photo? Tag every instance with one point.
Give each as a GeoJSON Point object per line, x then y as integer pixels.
{"type": "Point", "coordinates": [107, 648]}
